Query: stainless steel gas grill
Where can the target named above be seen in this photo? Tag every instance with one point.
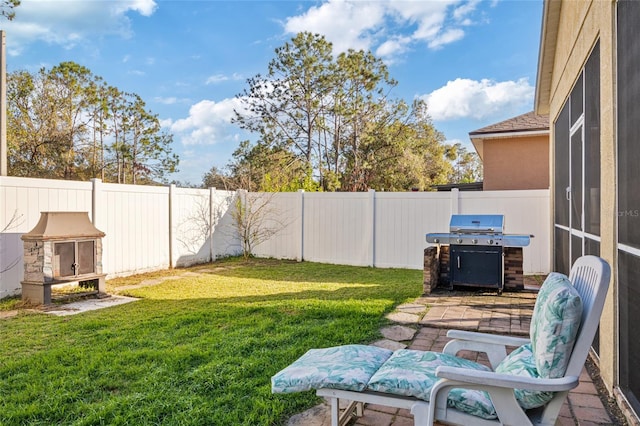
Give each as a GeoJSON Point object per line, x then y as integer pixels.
{"type": "Point", "coordinates": [476, 249]}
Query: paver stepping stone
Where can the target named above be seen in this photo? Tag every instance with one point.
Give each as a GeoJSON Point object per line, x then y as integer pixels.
{"type": "Point", "coordinates": [412, 308]}
{"type": "Point", "coordinates": [403, 317]}
{"type": "Point", "coordinates": [320, 415]}
{"type": "Point", "coordinates": [89, 305]}
{"type": "Point", "coordinates": [398, 333]}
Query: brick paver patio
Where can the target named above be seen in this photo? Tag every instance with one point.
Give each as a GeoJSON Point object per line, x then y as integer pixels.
{"type": "Point", "coordinates": [423, 325]}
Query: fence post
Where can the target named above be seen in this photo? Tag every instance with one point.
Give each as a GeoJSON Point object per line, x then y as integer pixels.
{"type": "Point", "coordinates": [172, 189]}
{"type": "Point", "coordinates": [212, 217]}
{"type": "Point", "coordinates": [96, 202]}
{"type": "Point", "coordinates": [455, 201]}
{"type": "Point", "coordinates": [372, 251]}
{"type": "Point", "coordinates": [301, 247]}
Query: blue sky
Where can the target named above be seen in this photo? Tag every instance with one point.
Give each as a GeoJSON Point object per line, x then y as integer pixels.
{"type": "Point", "coordinates": [473, 61]}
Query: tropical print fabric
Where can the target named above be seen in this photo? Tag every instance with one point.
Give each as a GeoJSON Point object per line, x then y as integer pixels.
{"type": "Point", "coordinates": [413, 373]}
{"type": "Point", "coordinates": [475, 402]}
{"type": "Point", "coordinates": [346, 367]}
{"type": "Point", "coordinates": [522, 363]}
{"type": "Point", "coordinates": [554, 325]}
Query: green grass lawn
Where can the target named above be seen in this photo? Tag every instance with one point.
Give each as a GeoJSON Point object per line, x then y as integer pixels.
{"type": "Point", "coordinates": [194, 351]}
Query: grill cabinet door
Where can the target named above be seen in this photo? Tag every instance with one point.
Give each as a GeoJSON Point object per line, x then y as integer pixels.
{"type": "Point", "coordinates": [476, 266]}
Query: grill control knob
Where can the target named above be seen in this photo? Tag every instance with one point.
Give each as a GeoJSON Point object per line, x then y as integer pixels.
{"type": "Point", "coordinates": [459, 240]}
{"type": "Point", "coordinates": [436, 240]}
{"type": "Point", "coordinates": [490, 241]}
{"type": "Point", "coordinates": [474, 241]}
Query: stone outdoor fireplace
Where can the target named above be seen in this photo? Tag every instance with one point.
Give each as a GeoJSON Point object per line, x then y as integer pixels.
{"type": "Point", "coordinates": [64, 247]}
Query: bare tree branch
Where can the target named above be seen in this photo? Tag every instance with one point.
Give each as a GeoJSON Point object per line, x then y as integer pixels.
{"type": "Point", "coordinates": [256, 220]}
{"type": "Point", "coordinates": [15, 221]}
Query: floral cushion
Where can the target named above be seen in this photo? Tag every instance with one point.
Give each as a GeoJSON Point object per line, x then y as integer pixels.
{"type": "Point", "coordinates": [522, 363]}
{"type": "Point", "coordinates": [554, 325]}
{"type": "Point", "coordinates": [346, 367]}
{"type": "Point", "coordinates": [412, 373]}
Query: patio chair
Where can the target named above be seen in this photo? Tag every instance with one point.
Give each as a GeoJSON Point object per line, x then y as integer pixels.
{"type": "Point", "coordinates": [525, 387]}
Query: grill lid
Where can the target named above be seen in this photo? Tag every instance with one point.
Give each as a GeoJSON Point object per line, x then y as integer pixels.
{"type": "Point", "coordinates": [477, 223]}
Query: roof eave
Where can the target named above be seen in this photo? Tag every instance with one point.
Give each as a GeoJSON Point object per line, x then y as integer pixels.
{"type": "Point", "coordinates": [546, 55]}
{"type": "Point", "coordinates": [510, 134]}
{"type": "Point", "coordinates": [478, 144]}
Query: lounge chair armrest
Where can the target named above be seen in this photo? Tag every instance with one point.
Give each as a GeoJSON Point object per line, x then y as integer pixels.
{"type": "Point", "coordinates": [487, 338]}
{"type": "Point", "coordinates": [490, 378]}
{"type": "Point", "coordinates": [495, 346]}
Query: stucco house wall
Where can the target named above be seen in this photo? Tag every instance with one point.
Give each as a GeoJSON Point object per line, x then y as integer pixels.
{"type": "Point", "coordinates": [570, 31]}
{"type": "Point", "coordinates": [516, 163]}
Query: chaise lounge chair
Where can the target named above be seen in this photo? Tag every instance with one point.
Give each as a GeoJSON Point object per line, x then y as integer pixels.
{"type": "Point", "coordinates": [526, 387]}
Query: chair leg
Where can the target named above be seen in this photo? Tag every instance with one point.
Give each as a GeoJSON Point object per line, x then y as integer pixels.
{"type": "Point", "coordinates": [335, 411]}
{"type": "Point", "coordinates": [420, 413]}
{"type": "Point", "coordinates": [552, 409]}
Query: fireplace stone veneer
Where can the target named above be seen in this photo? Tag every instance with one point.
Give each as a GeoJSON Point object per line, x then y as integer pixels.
{"type": "Point", "coordinates": [64, 247]}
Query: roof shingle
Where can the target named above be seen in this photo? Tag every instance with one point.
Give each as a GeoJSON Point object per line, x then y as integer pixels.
{"type": "Point", "coordinates": [525, 122]}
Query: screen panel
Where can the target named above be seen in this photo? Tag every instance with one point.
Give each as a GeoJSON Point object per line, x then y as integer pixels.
{"type": "Point", "coordinates": [561, 251]}
{"type": "Point", "coordinates": [592, 143]}
{"type": "Point", "coordinates": [561, 167]}
{"type": "Point", "coordinates": [628, 123]}
{"type": "Point", "coordinates": [577, 98]}
{"type": "Point", "coordinates": [628, 127]}
{"type": "Point", "coordinates": [576, 180]}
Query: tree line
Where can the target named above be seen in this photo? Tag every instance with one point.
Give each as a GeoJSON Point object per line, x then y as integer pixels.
{"type": "Point", "coordinates": [326, 122]}
{"type": "Point", "coordinates": [321, 122]}
{"type": "Point", "coordinates": [67, 123]}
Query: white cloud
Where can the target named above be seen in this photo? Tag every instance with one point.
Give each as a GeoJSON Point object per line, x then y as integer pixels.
{"type": "Point", "coordinates": [144, 7]}
{"type": "Point", "coordinates": [392, 47]}
{"type": "Point", "coordinates": [220, 78]}
{"type": "Point", "coordinates": [428, 17]}
{"type": "Point", "coordinates": [171, 100]}
{"type": "Point", "coordinates": [449, 36]}
{"type": "Point", "coordinates": [68, 24]}
{"type": "Point", "coordinates": [465, 98]}
{"type": "Point", "coordinates": [460, 13]}
{"type": "Point", "coordinates": [386, 26]}
{"type": "Point", "coordinates": [209, 122]}
{"type": "Point", "coordinates": [346, 24]}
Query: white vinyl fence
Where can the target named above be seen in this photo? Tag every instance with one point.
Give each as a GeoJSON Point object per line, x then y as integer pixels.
{"type": "Point", "coordinates": [157, 227]}
{"type": "Point", "coordinates": [147, 227]}
{"type": "Point", "coordinates": [387, 229]}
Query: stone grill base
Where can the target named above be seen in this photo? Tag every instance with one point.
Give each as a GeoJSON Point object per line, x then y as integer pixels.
{"type": "Point", "coordinates": [436, 268]}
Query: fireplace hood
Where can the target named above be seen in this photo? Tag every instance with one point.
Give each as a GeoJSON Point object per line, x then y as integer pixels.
{"type": "Point", "coordinates": [63, 225]}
